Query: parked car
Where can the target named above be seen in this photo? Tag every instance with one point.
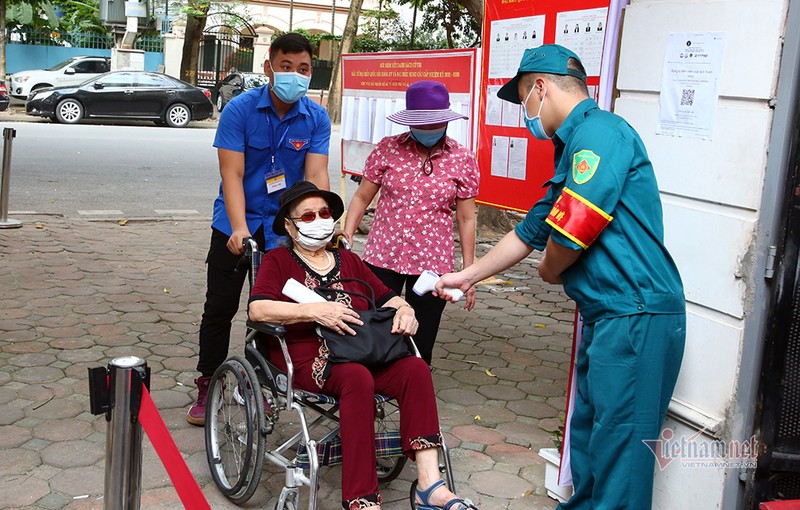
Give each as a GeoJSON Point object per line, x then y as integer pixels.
{"type": "Point", "coordinates": [124, 95]}
{"type": "Point", "coordinates": [72, 71]}
{"type": "Point", "coordinates": [236, 83]}
{"type": "Point", "coordinates": [4, 100]}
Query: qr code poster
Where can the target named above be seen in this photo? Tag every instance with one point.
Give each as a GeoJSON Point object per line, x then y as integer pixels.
{"type": "Point", "coordinates": [690, 84]}
{"type": "Point", "coordinates": [687, 98]}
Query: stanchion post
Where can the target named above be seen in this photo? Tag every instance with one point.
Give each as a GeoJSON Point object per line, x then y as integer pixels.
{"type": "Point", "coordinates": [117, 392]}
{"type": "Point", "coordinates": [5, 222]}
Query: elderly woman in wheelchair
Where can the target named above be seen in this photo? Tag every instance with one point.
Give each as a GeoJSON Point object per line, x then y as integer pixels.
{"type": "Point", "coordinates": [307, 215]}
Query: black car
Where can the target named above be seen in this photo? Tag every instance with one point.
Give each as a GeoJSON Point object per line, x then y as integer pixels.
{"type": "Point", "coordinates": [236, 83]}
{"type": "Point", "coordinates": [124, 95]}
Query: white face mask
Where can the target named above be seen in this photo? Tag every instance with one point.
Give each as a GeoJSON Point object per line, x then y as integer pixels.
{"type": "Point", "coordinates": [315, 234]}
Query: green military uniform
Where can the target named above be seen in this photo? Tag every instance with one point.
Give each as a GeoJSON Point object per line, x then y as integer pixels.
{"type": "Point", "coordinates": [604, 200]}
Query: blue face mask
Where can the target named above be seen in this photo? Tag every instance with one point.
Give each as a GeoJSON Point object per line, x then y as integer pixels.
{"type": "Point", "coordinates": [534, 124]}
{"type": "Point", "coordinates": [289, 87]}
{"type": "Point", "coordinates": [428, 137]}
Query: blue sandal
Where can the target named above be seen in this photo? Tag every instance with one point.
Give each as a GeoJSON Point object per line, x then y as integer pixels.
{"type": "Point", "coordinates": [450, 505]}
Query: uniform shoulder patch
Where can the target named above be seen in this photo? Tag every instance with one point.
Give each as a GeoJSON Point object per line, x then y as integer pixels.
{"type": "Point", "coordinates": [584, 165]}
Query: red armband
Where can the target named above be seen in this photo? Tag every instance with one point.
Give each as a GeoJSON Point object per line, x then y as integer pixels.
{"type": "Point", "coordinates": [578, 219]}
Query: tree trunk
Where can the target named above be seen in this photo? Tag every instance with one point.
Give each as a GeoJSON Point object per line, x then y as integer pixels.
{"type": "Point", "coordinates": [473, 7]}
{"type": "Point", "coordinates": [191, 45]}
{"type": "Point", "coordinates": [380, 10]}
{"type": "Point", "coordinates": [449, 33]}
{"type": "Point", "coordinates": [348, 36]}
{"type": "Point", "coordinates": [3, 40]}
{"type": "Point", "coordinates": [413, 26]}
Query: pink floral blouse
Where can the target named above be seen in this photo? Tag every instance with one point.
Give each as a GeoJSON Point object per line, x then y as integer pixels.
{"type": "Point", "coordinates": [413, 226]}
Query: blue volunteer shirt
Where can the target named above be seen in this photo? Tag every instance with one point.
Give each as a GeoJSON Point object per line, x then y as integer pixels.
{"type": "Point", "coordinates": [603, 199]}
{"type": "Point", "coordinates": [250, 125]}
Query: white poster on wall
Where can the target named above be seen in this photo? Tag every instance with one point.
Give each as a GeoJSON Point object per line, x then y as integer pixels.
{"type": "Point", "coordinates": [690, 84]}
{"type": "Point", "coordinates": [500, 156]}
{"type": "Point", "coordinates": [583, 32]}
{"type": "Point", "coordinates": [510, 39]}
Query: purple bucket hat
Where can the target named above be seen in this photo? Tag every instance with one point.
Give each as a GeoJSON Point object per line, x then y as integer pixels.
{"type": "Point", "coordinates": [427, 102]}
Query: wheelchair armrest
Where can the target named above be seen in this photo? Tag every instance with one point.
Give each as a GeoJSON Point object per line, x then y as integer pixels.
{"type": "Point", "coordinates": [267, 328]}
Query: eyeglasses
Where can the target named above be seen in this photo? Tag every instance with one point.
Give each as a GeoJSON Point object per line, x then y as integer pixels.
{"type": "Point", "coordinates": [309, 216]}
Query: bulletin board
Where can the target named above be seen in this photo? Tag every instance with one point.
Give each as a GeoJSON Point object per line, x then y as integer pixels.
{"type": "Point", "coordinates": [374, 86]}
{"type": "Point", "coordinates": [513, 164]}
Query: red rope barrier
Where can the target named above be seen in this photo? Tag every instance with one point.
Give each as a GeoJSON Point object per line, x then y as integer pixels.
{"type": "Point", "coordinates": [183, 481]}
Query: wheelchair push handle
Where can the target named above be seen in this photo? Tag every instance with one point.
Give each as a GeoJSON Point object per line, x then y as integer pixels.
{"type": "Point", "coordinates": [245, 261]}
{"type": "Point", "coordinates": [250, 246]}
{"type": "Point", "coordinates": [340, 241]}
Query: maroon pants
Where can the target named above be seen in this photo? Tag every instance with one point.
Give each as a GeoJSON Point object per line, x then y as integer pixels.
{"type": "Point", "coordinates": [407, 380]}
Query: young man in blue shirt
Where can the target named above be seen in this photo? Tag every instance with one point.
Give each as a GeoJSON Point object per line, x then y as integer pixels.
{"type": "Point", "coordinates": [268, 138]}
{"type": "Point", "coordinates": [601, 228]}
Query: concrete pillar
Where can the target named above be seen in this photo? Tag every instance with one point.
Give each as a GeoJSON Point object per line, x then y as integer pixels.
{"type": "Point", "coordinates": [261, 48]}
{"type": "Point", "coordinates": [173, 49]}
{"type": "Point", "coordinates": [127, 59]}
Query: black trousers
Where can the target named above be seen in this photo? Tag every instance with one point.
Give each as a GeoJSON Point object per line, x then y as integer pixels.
{"type": "Point", "coordinates": [427, 308]}
{"type": "Point", "coordinates": [223, 292]}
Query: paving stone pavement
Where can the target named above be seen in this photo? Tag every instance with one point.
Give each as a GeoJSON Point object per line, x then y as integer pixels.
{"type": "Point", "coordinates": [76, 293]}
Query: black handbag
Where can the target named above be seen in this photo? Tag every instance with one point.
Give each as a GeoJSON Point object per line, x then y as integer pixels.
{"type": "Point", "coordinates": [374, 344]}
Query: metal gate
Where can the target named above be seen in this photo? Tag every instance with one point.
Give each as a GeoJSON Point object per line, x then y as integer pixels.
{"type": "Point", "coordinates": [777, 476]}
{"type": "Point", "coordinates": [226, 46]}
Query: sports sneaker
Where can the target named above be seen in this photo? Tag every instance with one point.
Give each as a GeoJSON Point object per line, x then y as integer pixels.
{"type": "Point", "coordinates": [197, 413]}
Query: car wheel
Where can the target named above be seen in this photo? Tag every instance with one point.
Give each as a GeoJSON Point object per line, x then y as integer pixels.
{"type": "Point", "coordinates": [178, 115]}
{"type": "Point", "coordinates": [220, 104]}
{"type": "Point", "coordinates": [69, 111]}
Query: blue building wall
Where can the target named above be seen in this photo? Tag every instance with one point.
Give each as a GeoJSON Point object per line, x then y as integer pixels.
{"type": "Point", "coordinates": [22, 57]}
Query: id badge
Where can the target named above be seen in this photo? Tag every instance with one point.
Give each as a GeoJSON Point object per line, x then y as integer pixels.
{"type": "Point", "coordinates": [276, 181]}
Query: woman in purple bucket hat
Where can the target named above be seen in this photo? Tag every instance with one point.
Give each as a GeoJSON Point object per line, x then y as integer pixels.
{"type": "Point", "coordinates": [423, 175]}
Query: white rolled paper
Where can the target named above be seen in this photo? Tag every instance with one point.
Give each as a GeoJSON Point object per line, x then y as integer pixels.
{"type": "Point", "coordinates": [299, 293]}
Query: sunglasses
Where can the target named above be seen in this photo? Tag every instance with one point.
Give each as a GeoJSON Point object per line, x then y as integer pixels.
{"type": "Point", "coordinates": [309, 216]}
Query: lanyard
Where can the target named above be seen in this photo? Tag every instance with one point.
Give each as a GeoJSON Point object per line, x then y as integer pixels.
{"type": "Point", "coordinates": [283, 139]}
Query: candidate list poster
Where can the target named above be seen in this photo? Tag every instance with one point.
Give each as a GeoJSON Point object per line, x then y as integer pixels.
{"type": "Point", "coordinates": [513, 164]}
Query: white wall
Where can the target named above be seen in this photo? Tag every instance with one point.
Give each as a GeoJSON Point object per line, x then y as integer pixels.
{"type": "Point", "coordinates": [711, 191]}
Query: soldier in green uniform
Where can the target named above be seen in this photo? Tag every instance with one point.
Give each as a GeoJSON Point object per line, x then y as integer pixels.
{"type": "Point", "coordinates": [600, 226]}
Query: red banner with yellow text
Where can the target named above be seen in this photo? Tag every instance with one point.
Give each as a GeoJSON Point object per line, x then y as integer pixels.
{"type": "Point", "coordinates": [374, 86]}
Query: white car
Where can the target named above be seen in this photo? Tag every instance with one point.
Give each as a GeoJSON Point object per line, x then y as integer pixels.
{"type": "Point", "coordinates": [72, 71]}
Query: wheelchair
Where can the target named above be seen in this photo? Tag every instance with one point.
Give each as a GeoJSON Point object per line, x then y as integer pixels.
{"type": "Point", "coordinates": [246, 398]}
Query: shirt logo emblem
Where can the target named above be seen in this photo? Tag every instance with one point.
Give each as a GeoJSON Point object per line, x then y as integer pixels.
{"type": "Point", "coordinates": [298, 144]}
{"type": "Point", "coordinates": [584, 165]}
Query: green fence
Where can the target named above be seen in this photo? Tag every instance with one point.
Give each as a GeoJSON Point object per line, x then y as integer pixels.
{"type": "Point", "coordinates": [78, 40]}
{"type": "Point", "coordinates": [56, 38]}
{"type": "Point", "coordinates": [155, 44]}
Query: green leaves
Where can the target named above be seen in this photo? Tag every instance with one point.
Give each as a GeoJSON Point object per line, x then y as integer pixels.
{"type": "Point", "coordinates": [35, 13]}
{"type": "Point", "coordinates": [50, 14]}
{"type": "Point", "coordinates": [21, 13]}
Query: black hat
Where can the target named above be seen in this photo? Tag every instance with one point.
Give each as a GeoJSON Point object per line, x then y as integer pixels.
{"type": "Point", "coordinates": [299, 190]}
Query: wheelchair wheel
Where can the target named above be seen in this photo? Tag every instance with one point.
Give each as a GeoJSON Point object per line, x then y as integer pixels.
{"type": "Point", "coordinates": [387, 418]}
{"type": "Point", "coordinates": [289, 504]}
{"type": "Point", "coordinates": [412, 495]}
{"type": "Point", "coordinates": [234, 431]}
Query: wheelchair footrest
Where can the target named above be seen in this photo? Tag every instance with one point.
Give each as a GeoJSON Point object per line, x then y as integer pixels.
{"type": "Point", "coordinates": [329, 453]}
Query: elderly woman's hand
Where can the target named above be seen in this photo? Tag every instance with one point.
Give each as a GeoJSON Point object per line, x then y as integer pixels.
{"type": "Point", "coordinates": [335, 316]}
{"type": "Point", "coordinates": [405, 322]}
